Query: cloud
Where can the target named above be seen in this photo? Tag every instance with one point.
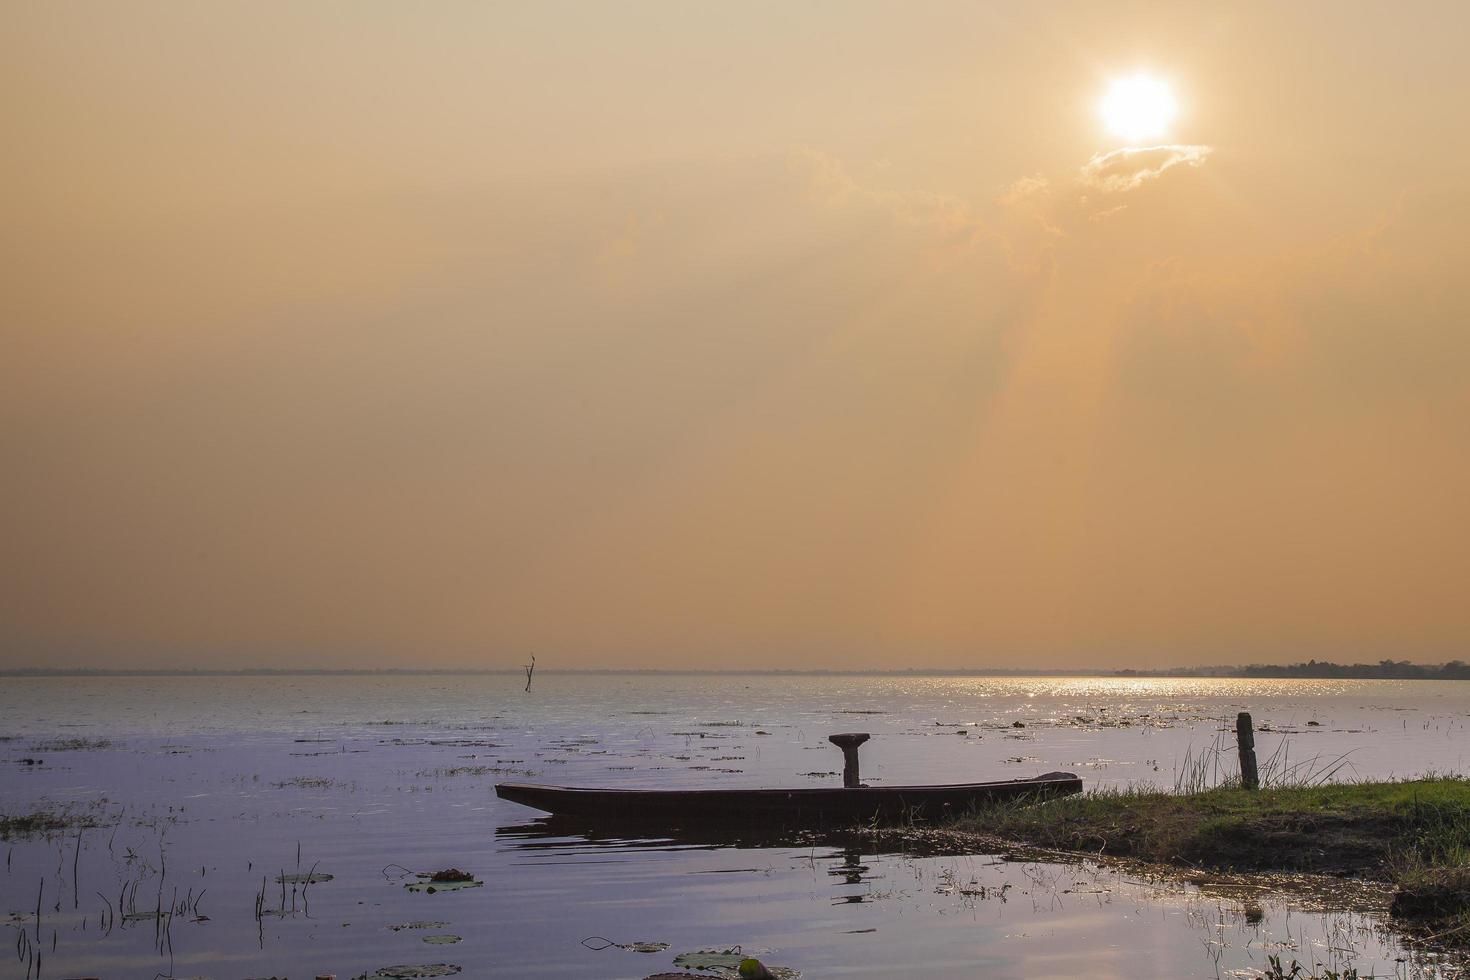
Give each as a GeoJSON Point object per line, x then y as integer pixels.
{"type": "Point", "coordinates": [1024, 190]}
{"type": "Point", "coordinates": [1034, 212]}
{"type": "Point", "coordinates": [1106, 213]}
{"type": "Point", "coordinates": [834, 185]}
{"type": "Point", "coordinates": [1130, 167]}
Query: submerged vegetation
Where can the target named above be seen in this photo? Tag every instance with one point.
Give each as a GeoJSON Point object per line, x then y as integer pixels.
{"type": "Point", "coordinates": [72, 744]}
{"type": "Point", "coordinates": [42, 822]}
{"type": "Point", "coordinates": [1413, 834]}
{"type": "Point", "coordinates": [31, 824]}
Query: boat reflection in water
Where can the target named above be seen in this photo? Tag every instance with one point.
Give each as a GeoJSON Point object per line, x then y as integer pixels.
{"type": "Point", "coordinates": [846, 854]}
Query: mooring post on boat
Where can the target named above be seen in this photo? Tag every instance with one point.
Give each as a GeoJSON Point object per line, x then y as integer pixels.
{"type": "Point", "coordinates": [1245, 740]}
{"type": "Point", "coordinates": [848, 742]}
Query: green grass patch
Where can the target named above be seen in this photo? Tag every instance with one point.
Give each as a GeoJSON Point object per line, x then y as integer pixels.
{"type": "Point", "coordinates": [1414, 834]}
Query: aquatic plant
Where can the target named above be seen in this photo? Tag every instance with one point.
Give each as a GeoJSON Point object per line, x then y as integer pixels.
{"type": "Point", "coordinates": [411, 972]}
{"type": "Point", "coordinates": [418, 924]}
{"type": "Point", "coordinates": [1275, 971]}
{"type": "Point", "coordinates": [430, 887]}
{"type": "Point", "coordinates": [74, 744]}
{"type": "Point", "coordinates": [303, 878]}
{"type": "Point", "coordinates": [43, 822]}
{"type": "Point", "coordinates": [597, 943]}
{"type": "Point", "coordinates": [306, 782]}
{"type": "Point", "coordinates": [728, 963]}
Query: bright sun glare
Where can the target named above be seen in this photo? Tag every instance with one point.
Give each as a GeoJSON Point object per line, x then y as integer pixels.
{"type": "Point", "coordinates": [1138, 108]}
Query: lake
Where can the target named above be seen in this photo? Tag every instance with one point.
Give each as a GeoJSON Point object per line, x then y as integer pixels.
{"type": "Point", "coordinates": [205, 791]}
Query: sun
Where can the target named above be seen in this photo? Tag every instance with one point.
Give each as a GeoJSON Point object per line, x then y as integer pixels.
{"type": "Point", "coordinates": [1138, 108]}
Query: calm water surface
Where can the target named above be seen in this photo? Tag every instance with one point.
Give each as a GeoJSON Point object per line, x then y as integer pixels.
{"type": "Point", "coordinates": [217, 786]}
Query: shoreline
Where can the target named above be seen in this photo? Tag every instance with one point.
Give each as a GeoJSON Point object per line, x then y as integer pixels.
{"type": "Point", "coordinates": [1406, 840]}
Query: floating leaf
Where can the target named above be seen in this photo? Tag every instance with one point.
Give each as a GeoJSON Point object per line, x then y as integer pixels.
{"type": "Point", "coordinates": [442, 940]}
{"type": "Point", "coordinates": [704, 959]}
{"type": "Point", "coordinates": [414, 972]}
{"type": "Point", "coordinates": [430, 887]}
{"type": "Point", "coordinates": [450, 874]}
{"type": "Point", "coordinates": [418, 924]}
{"type": "Point", "coordinates": [724, 964]}
{"type": "Point", "coordinates": [304, 878]}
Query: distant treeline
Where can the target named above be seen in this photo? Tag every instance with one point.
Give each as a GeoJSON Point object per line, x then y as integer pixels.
{"type": "Point", "coordinates": [1455, 670]}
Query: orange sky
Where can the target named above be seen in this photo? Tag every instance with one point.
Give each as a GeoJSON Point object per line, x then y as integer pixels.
{"type": "Point", "coordinates": [763, 334]}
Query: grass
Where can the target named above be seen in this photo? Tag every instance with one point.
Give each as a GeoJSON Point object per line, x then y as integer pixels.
{"type": "Point", "coordinates": [1414, 834]}
{"type": "Point", "coordinates": [1354, 828]}
{"type": "Point", "coordinates": [1215, 765]}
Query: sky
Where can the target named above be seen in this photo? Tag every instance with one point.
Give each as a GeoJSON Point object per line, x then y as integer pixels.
{"type": "Point", "coordinates": [769, 335]}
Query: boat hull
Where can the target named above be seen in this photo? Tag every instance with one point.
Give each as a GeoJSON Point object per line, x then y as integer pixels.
{"type": "Point", "coordinates": [809, 806]}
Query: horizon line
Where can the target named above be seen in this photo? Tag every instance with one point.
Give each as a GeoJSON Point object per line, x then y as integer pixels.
{"type": "Point", "coordinates": [1211, 670]}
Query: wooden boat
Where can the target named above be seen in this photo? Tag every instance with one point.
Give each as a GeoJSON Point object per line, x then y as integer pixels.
{"type": "Point", "coordinates": [807, 806]}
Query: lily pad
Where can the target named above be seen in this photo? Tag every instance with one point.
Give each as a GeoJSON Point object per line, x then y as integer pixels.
{"type": "Point", "coordinates": [451, 874]}
{"type": "Point", "coordinates": [304, 878]}
{"type": "Point", "coordinates": [598, 943]}
{"type": "Point", "coordinates": [413, 972]}
{"type": "Point", "coordinates": [445, 940]}
{"type": "Point", "coordinates": [430, 887]}
{"type": "Point", "coordinates": [705, 959]}
{"type": "Point", "coordinates": [725, 964]}
{"type": "Point", "coordinates": [418, 924]}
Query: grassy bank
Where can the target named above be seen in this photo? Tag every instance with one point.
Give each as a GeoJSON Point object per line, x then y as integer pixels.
{"type": "Point", "coordinates": [1414, 834]}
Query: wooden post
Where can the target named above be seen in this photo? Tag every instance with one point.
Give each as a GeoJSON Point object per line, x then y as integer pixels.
{"type": "Point", "coordinates": [848, 743]}
{"type": "Point", "coordinates": [1245, 740]}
